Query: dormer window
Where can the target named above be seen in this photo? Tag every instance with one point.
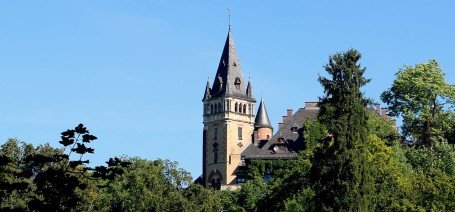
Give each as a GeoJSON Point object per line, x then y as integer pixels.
{"type": "Point", "coordinates": [294, 128]}
{"type": "Point", "coordinates": [237, 83]}
{"type": "Point", "coordinates": [220, 81]}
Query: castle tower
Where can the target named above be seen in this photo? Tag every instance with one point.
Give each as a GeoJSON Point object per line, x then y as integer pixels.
{"type": "Point", "coordinates": [228, 120]}
{"type": "Point", "coordinates": [263, 130]}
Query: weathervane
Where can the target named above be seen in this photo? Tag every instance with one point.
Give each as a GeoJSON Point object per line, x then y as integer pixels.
{"type": "Point", "coordinates": [229, 13]}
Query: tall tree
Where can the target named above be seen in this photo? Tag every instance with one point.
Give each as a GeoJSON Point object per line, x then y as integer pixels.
{"type": "Point", "coordinates": [342, 180]}
{"type": "Point", "coordinates": [421, 95]}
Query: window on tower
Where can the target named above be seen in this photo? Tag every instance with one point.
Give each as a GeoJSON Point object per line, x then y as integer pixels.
{"type": "Point", "coordinates": [236, 107]}
{"type": "Point", "coordinates": [215, 156]}
{"type": "Point", "coordinates": [215, 133]}
{"type": "Point", "coordinates": [237, 83]}
{"type": "Point", "coordinates": [240, 137]}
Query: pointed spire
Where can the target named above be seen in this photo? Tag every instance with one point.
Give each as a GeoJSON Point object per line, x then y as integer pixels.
{"type": "Point", "coordinates": [207, 90]}
{"type": "Point", "coordinates": [249, 89]}
{"type": "Point", "coordinates": [262, 118]}
{"type": "Point", "coordinates": [229, 79]}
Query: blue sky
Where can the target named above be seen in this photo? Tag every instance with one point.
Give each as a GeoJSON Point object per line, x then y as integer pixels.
{"type": "Point", "coordinates": [134, 71]}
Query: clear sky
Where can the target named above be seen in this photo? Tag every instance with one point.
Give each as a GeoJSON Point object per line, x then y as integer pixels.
{"type": "Point", "coordinates": [134, 72]}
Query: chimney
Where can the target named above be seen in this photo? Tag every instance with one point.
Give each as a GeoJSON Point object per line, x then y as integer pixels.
{"type": "Point", "coordinates": [311, 105]}
{"type": "Point", "coordinates": [289, 114]}
{"type": "Point", "coordinates": [384, 111]}
{"type": "Point", "coordinates": [280, 126]}
{"type": "Point", "coordinates": [378, 108]}
{"type": "Point", "coordinates": [255, 138]}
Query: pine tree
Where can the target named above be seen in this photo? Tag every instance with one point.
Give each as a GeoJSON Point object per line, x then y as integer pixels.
{"type": "Point", "coordinates": [339, 173]}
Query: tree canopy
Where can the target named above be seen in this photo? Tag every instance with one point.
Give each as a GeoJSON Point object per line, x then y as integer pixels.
{"type": "Point", "coordinates": [425, 100]}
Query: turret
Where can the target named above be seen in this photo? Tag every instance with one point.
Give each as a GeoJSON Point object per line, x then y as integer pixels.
{"type": "Point", "coordinates": [207, 91]}
{"type": "Point", "coordinates": [263, 130]}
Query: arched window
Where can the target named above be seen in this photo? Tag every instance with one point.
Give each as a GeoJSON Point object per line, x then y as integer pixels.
{"type": "Point", "coordinates": [216, 108]}
{"type": "Point", "coordinates": [220, 107]}
{"type": "Point", "coordinates": [244, 108]}
{"type": "Point", "coordinates": [226, 107]}
{"type": "Point", "coordinates": [215, 178]}
{"type": "Point", "coordinates": [240, 108]}
{"type": "Point", "coordinates": [211, 109]}
{"type": "Point", "coordinates": [236, 107]}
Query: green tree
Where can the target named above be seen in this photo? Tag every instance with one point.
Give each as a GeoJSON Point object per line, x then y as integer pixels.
{"type": "Point", "coordinates": [46, 179]}
{"type": "Point", "coordinates": [15, 189]}
{"type": "Point", "coordinates": [340, 173]}
{"type": "Point", "coordinates": [154, 186]}
{"type": "Point", "coordinates": [420, 94]}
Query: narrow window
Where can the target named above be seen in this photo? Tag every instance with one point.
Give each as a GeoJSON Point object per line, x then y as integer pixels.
{"type": "Point", "coordinates": [215, 133]}
{"type": "Point", "coordinates": [211, 109]}
{"type": "Point", "coordinates": [215, 156]}
{"type": "Point", "coordinates": [240, 108]}
{"type": "Point", "coordinates": [244, 108]}
{"type": "Point", "coordinates": [236, 107]}
{"type": "Point", "coordinates": [220, 107]}
{"type": "Point", "coordinates": [240, 133]}
{"type": "Point", "coordinates": [229, 159]}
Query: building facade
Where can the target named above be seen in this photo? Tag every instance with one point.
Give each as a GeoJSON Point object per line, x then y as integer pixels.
{"type": "Point", "coordinates": [233, 134]}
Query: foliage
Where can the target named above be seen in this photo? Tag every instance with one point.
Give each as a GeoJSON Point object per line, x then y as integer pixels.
{"type": "Point", "coordinates": [153, 186]}
{"type": "Point", "coordinates": [421, 95]}
{"type": "Point", "coordinates": [46, 178]}
{"type": "Point", "coordinates": [340, 174]}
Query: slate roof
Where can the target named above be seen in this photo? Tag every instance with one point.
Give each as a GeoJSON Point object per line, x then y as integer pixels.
{"type": "Point", "coordinates": [286, 143]}
{"type": "Point", "coordinates": [229, 81]}
{"type": "Point", "coordinates": [207, 91]}
{"type": "Point", "coordinates": [262, 118]}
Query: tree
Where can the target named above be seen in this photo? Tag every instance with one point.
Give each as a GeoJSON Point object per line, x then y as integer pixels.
{"type": "Point", "coordinates": [15, 189]}
{"type": "Point", "coordinates": [157, 185]}
{"type": "Point", "coordinates": [46, 179]}
{"type": "Point", "coordinates": [421, 95]}
{"type": "Point", "coordinates": [341, 177]}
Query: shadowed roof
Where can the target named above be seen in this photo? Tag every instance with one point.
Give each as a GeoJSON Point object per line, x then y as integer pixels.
{"type": "Point", "coordinates": [293, 138]}
{"type": "Point", "coordinates": [229, 80]}
{"type": "Point", "coordinates": [262, 118]}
